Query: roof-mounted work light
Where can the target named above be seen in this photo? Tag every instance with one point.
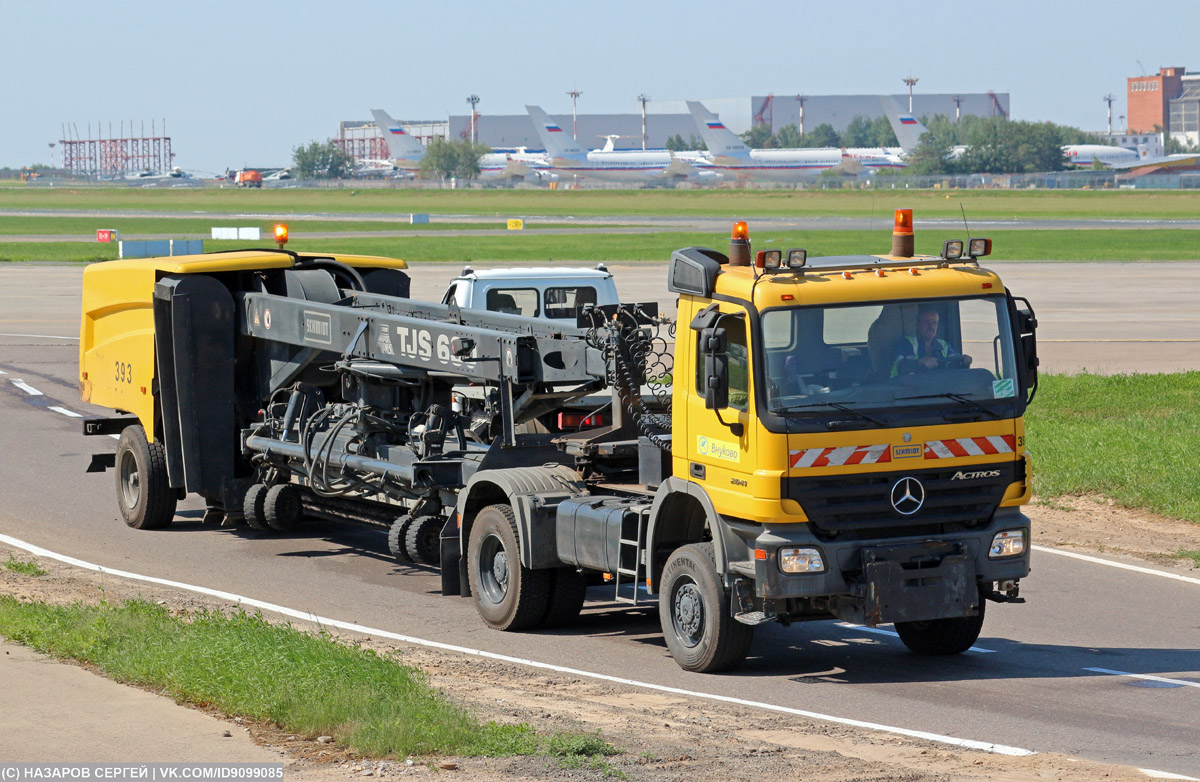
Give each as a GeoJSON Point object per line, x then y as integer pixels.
{"type": "Point", "coordinates": [952, 250]}
{"type": "Point", "coordinates": [281, 234]}
{"type": "Point", "coordinates": [769, 260]}
{"type": "Point", "coordinates": [977, 248]}
{"type": "Point", "coordinates": [797, 258]}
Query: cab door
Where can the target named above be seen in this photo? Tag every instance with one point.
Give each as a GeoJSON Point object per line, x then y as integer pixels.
{"type": "Point", "coordinates": [720, 444]}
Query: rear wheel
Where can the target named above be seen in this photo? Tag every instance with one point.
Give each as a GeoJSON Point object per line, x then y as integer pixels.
{"type": "Point", "coordinates": [281, 507]}
{"type": "Point", "coordinates": [253, 507]}
{"type": "Point", "coordinates": [396, 537]}
{"type": "Point", "coordinates": [423, 540]}
{"type": "Point", "coordinates": [144, 492]}
{"type": "Point", "coordinates": [693, 608]}
{"type": "Point", "coordinates": [942, 636]}
{"type": "Point", "coordinates": [508, 595]}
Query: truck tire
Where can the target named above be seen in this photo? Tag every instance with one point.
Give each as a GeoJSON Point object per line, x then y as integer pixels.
{"type": "Point", "coordinates": [254, 506]}
{"type": "Point", "coordinates": [566, 597]}
{"type": "Point", "coordinates": [693, 608]}
{"type": "Point", "coordinates": [144, 492]}
{"type": "Point", "coordinates": [942, 636]}
{"type": "Point", "coordinates": [396, 537]}
{"type": "Point", "coordinates": [508, 595]}
{"type": "Point", "coordinates": [281, 507]}
{"type": "Point", "coordinates": [423, 540]}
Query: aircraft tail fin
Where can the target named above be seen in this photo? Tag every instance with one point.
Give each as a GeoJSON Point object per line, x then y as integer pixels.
{"type": "Point", "coordinates": [401, 145]}
{"type": "Point", "coordinates": [556, 141]}
{"type": "Point", "coordinates": [720, 139]}
{"type": "Point", "coordinates": [908, 129]}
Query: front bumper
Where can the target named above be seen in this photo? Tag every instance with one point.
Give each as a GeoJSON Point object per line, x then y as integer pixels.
{"type": "Point", "coordinates": [897, 579]}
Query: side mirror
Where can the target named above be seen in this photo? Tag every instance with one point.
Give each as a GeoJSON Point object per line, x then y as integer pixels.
{"type": "Point", "coordinates": [716, 368]}
{"type": "Point", "coordinates": [461, 347]}
{"type": "Point", "coordinates": [1026, 328]}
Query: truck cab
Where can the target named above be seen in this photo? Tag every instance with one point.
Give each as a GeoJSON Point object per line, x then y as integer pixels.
{"type": "Point", "coordinates": [854, 428]}
{"type": "Point", "coordinates": [548, 293]}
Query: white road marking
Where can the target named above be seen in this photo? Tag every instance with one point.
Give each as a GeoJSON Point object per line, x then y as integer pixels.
{"type": "Point", "coordinates": [894, 634]}
{"type": "Point", "coordinates": [39, 336]}
{"type": "Point", "coordinates": [1145, 676]}
{"type": "Point", "coordinates": [1121, 565]}
{"type": "Point", "coordinates": [21, 384]}
{"type": "Point", "coordinates": [1165, 775]}
{"type": "Point", "coordinates": [999, 749]}
{"type": "Point", "coordinates": [66, 412]}
{"type": "Point", "coordinates": [2, 372]}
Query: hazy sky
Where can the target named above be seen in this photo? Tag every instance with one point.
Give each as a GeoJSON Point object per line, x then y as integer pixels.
{"type": "Point", "coordinates": [245, 82]}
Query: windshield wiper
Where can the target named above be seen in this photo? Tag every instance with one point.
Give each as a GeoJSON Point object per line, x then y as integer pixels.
{"type": "Point", "coordinates": [966, 400]}
{"type": "Point", "coordinates": [837, 406]}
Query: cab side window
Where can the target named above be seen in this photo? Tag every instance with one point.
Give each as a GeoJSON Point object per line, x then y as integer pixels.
{"type": "Point", "coordinates": [565, 302]}
{"type": "Point", "coordinates": [739, 363]}
{"type": "Point", "coordinates": [514, 301]}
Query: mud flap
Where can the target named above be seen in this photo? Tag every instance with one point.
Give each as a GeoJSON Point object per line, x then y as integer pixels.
{"type": "Point", "coordinates": [918, 582]}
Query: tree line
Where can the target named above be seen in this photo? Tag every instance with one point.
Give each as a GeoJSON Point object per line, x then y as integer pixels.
{"type": "Point", "coordinates": [442, 160]}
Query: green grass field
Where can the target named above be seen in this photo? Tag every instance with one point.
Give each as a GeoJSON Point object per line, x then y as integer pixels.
{"type": "Point", "coordinates": [516, 246]}
{"type": "Point", "coordinates": [979, 204]}
{"type": "Point", "coordinates": [304, 683]}
{"type": "Point", "coordinates": [1132, 438]}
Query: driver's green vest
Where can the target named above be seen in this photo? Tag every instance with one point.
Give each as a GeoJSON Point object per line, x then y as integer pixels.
{"type": "Point", "coordinates": [942, 346]}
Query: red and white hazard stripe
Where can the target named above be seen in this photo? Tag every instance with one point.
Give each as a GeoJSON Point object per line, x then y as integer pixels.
{"type": "Point", "coordinates": [834, 457]}
{"type": "Point", "coordinates": [969, 446]}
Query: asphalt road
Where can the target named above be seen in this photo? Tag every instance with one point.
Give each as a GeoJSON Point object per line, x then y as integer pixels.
{"type": "Point", "coordinates": [1031, 687]}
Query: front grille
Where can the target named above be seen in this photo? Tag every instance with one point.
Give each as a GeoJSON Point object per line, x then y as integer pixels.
{"type": "Point", "coordinates": [859, 505]}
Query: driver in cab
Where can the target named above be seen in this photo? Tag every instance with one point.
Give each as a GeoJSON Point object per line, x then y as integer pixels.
{"type": "Point", "coordinates": [926, 350]}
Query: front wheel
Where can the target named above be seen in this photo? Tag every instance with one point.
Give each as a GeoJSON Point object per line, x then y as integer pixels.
{"type": "Point", "coordinates": [144, 492]}
{"type": "Point", "coordinates": [942, 636]}
{"type": "Point", "coordinates": [693, 608]}
{"type": "Point", "coordinates": [508, 595]}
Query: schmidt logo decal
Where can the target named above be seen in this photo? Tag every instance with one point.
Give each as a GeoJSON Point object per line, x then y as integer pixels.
{"type": "Point", "coordinates": [908, 495]}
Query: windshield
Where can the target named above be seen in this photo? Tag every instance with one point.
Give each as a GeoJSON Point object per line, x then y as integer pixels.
{"type": "Point", "coordinates": [890, 355]}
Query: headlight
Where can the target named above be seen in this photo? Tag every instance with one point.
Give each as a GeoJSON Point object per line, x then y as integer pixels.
{"type": "Point", "coordinates": [1008, 543]}
{"type": "Point", "coordinates": [801, 560]}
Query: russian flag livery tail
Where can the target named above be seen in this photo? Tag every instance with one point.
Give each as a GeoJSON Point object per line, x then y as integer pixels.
{"type": "Point", "coordinates": [558, 144]}
{"type": "Point", "coordinates": [908, 128]}
{"type": "Point", "coordinates": [721, 140]}
{"type": "Point", "coordinates": [401, 145]}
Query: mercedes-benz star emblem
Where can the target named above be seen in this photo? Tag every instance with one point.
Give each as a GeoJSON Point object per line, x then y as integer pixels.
{"type": "Point", "coordinates": [908, 495]}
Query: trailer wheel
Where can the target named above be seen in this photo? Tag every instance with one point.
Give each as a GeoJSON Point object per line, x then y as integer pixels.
{"type": "Point", "coordinates": [423, 540]}
{"type": "Point", "coordinates": [942, 636]}
{"type": "Point", "coordinates": [144, 491]}
{"type": "Point", "coordinates": [281, 507]}
{"type": "Point", "coordinates": [693, 608]}
{"type": "Point", "coordinates": [508, 595]}
{"type": "Point", "coordinates": [566, 597]}
{"type": "Point", "coordinates": [254, 507]}
{"type": "Point", "coordinates": [396, 537]}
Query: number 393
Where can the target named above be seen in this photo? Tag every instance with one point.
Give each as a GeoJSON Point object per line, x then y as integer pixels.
{"type": "Point", "coordinates": [123, 372]}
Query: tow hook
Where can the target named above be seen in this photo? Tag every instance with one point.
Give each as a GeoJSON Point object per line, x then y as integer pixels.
{"type": "Point", "coordinates": [1006, 592]}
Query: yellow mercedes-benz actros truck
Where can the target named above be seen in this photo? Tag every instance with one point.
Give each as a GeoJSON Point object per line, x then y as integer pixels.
{"type": "Point", "coordinates": [812, 438]}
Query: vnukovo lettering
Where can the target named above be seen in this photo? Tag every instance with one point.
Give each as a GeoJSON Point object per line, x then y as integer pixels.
{"type": "Point", "coordinates": [718, 449]}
